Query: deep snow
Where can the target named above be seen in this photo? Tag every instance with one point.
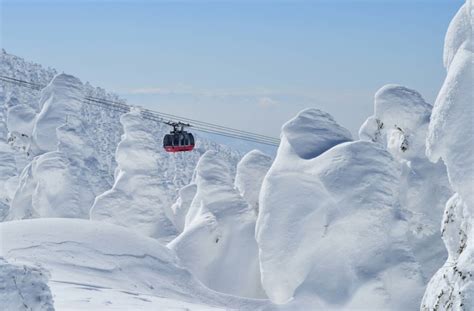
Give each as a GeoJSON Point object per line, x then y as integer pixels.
{"type": "Point", "coordinates": [100, 266]}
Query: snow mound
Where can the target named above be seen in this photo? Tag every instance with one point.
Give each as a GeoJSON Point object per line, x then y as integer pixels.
{"type": "Point", "coordinates": [218, 243]}
{"type": "Point", "coordinates": [95, 265]}
{"type": "Point", "coordinates": [312, 132]}
{"type": "Point", "coordinates": [328, 231]}
{"type": "Point", "coordinates": [249, 177]}
{"type": "Point", "coordinates": [24, 288]}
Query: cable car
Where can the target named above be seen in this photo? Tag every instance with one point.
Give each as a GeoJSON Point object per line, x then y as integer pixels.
{"type": "Point", "coordinates": [178, 140]}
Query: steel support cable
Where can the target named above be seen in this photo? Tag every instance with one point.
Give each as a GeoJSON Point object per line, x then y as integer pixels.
{"type": "Point", "coordinates": [155, 116]}
{"type": "Point", "coordinates": [204, 130]}
{"type": "Point", "coordinates": [160, 117]}
{"type": "Point", "coordinates": [218, 131]}
{"type": "Point", "coordinates": [201, 123]}
{"type": "Point", "coordinates": [217, 127]}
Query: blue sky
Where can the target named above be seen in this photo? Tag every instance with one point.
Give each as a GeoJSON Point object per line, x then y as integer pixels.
{"type": "Point", "coordinates": [245, 64]}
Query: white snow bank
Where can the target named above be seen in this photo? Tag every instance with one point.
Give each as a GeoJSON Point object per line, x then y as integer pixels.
{"type": "Point", "coordinates": [218, 243]}
{"type": "Point", "coordinates": [24, 288]}
{"type": "Point", "coordinates": [329, 234]}
{"type": "Point", "coordinates": [107, 266]}
{"type": "Point", "coordinates": [139, 198]}
{"type": "Point", "coordinates": [312, 132]}
{"type": "Point", "coordinates": [249, 177]}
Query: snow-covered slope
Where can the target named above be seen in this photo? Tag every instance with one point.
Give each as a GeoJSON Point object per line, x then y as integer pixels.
{"type": "Point", "coordinates": [451, 138]}
{"type": "Point", "coordinates": [99, 266]}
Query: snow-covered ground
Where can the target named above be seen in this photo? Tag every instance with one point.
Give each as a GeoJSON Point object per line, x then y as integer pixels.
{"type": "Point", "coordinates": [100, 266]}
{"type": "Point", "coordinates": [94, 215]}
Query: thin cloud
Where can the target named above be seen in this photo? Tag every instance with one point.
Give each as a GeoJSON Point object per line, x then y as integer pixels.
{"type": "Point", "coordinates": [152, 91]}
{"type": "Point", "coordinates": [182, 90]}
{"type": "Point", "coordinates": [267, 102]}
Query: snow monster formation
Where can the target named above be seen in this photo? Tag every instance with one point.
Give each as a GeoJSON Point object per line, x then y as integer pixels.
{"type": "Point", "coordinates": [451, 138]}
{"type": "Point", "coordinates": [250, 173]}
{"type": "Point", "coordinates": [138, 198]}
{"type": "Point", "coordinates": [218, 240]}
{"type": "Point", "coordinates": [400, 125]}
{"type": "Point", "coordinates": [57, 183]}
{"type": "Point", "coordinates": [329, 230]}
{"type": "Point", "coordinates": [65, 178]}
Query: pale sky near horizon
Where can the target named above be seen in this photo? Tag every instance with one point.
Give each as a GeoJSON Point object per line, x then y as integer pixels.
{"type": "Point", "coordinates": [251, 65]}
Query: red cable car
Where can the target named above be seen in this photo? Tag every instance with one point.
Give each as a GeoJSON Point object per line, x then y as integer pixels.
{"type": "Point", "coordinates": [178, 140]}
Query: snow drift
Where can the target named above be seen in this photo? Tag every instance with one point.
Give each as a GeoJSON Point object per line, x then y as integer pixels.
{"type": "Point", "coordinates": [95, 265]}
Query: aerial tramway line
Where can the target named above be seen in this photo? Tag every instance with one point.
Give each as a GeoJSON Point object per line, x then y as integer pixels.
{"type": "Point", "coordinates": [178, 140]}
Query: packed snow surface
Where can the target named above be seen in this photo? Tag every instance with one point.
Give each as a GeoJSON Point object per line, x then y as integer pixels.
{"type": "Point", "coordinates": [100, 266]}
